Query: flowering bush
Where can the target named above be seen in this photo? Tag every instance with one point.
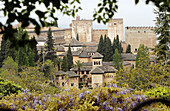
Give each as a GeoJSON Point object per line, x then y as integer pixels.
{"type": "Point", "coordinates": [104, 98]}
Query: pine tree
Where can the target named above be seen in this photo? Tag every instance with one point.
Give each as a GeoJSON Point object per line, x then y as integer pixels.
{"type": "Point", "coordinates": [128, 50]}
{"type": "Point", "coordinates": [100, 45]}
{"type": "Point", "coordinates": [142, 57]}
{"type": "Point", "coordinates": [163, 31]}
{"type": "Point", "coordinates": [64, 65]}
{"type": "Point", "coordinates": [117, 61]}
{"type": "Point", "coordinates": [2, 51]}
{"type": "Point", "coordinates": [69, 58]}
{"type": "Point", "coordinates": [108, 50]}
{"type": "Point", "coordinates": [50, 47]}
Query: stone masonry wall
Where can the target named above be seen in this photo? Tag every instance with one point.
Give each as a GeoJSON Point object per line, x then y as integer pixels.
{"type": "Point", "coordinates": [140, 35]}
{"type": "Point", "coordinates": [97, 34]}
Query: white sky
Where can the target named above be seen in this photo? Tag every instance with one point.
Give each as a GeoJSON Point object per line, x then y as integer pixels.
{"type": "Point", "coordinates": [133, 15]}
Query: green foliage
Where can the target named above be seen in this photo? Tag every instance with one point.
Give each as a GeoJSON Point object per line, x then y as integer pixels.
{"type": "Point", "coordinates": [163, 32]}
{"type": "Point", "coordinates": [2, 50]}
{"type": "Point", "coordinates": [8, 87]}
{"type": "Point", "coordinates": [142, 57]}
{"type": "Point", "coordinates": [117, 45]}
{"type": "Point", "coordinates": [49, 69]}
{"type": "Point", "coordinates": [10, 65]}
{"type": "Point", "coordinates": [79, 65]}
{"type": "Point", "coordinates": [128, 50]}
{"type": "Point", "coordinates": [100, 48]}
{"type": "Point", "coordinates": [64, 65]}
{"type": "Point", "coordinates": [144, 78]}
{"type": "Point", "coordinates": [50, 47]}
{"type": "Point", "coordinates": [117, 61]}
{"type": "Point", "coordinates": [69, 58]}
{"type": "Point", "coordinates": [108, 50]}
{"type": "Point", "coordinates": [159, 92]}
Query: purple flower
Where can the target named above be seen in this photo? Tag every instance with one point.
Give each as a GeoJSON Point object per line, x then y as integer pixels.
{"type": "Point", "coordinates": [114, 85]}
{"type": "Point", "coordinates": [143, 97]}
{"type": "Point", "coordinates": [25, 98]}
{"type": "Point", "coordinates": [110, 108]}
{"type": "Point", "coordinates": [114, 100]}
{"type": "Point", "coordinates": [88, 92]}
{"type": "Point", "coordinates": [81, 95]}
{"type": "Point", "coordinates": [40, 103]}
{"type": "Point", "coordinates": [23, 107]}
{"type": "Point", "coordinates": [48, 95]}
{"type": "Point", "coordinates": [13, 107]}
{"type": "Point", "coordinates": [44, 99]}
{"type": "Point", "coordinates": [98, 98]}
{"type": "Point", "coordinates": [120, 109]}
{"type": "Point", "coordinates": [145, 110]}
{"type": "Point", "coordinates": [104, 105]}
{"type": "Point", "coordinates": [109, 85]}
{"type": "Point", "coordinates": [71, 99]}
{"type": "Point", "coordinates": [138, 99]}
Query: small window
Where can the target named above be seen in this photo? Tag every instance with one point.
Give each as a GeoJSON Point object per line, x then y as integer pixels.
{"type": "Point", "coordinates": [62, 77]}
{"type": "Point", "coordinates": [87, 72]}
{"type": "Point", "coordinates": [114, 23]}
{"type": "Point", "coordinates": [136, 49]}
{"type": "Point", "coordinates": [144, 31]}
{"type": "Point", "coordinates": [72, 84]}
{"type": "Point", "coordinates": [82, 72]}
{"type": "Point", "coordinates": [62, 83]}
{"type": "Point", "coordinates": [80, 79]}
{"type": "Point", "coordinates": [88, 78]}
{"type": "Point", "coordinates": [138, 31]}
{"type": "Point", "coordinates": [76, 72]}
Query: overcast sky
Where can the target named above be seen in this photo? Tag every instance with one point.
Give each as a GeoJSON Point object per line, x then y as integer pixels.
{"type": "Point", "coordinates": [133, 15]}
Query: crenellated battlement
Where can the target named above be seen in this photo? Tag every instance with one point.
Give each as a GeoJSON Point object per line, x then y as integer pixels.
{"type": "Point", "coordinates": [100, 29]}
{"type": "Point", "coordinates": [139, 28]}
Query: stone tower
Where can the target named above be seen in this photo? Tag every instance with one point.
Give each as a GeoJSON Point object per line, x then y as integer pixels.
{"type": "Point", "coordinates": [83, 28]}
{"type": "Point", "coordinates": [115, 27]}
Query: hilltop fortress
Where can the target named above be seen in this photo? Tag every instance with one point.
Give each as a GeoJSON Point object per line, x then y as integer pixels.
{"type": "Point", "coordinates": [90, 37]}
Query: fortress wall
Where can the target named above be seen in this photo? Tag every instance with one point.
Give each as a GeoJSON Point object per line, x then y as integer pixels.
{"type": "Point", "coordinates": [97, 34]}
{"type": "Point", "coordinates": [68, 34]}
{"type": "Point", "coordinates": [140, 35]}
{"type": "Point", "coordinates": [83, 28]}
{"type": "Point", "coordinates": [115, 27]}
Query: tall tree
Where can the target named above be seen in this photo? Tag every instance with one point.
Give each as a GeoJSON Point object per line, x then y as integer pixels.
{"type": "Point", "coordinates": [50, 46]}
{"type": "Point", "coordinates": [163, 31]}
{"type": "Point", "coordinates": [64, 65]}
{"type": "Point", "coordinates": [79, 66]}
{"type": "Point", "coordinates": [117, 44]}
{"type": "Point", "coordinates": [69, 58]}
{"type": "Point", "coordinates": [108, 50]}
{"type": "Point", "coordinates": [35, 51]}
{"type": "Point", "coordinates": [128, 50]}
{"type": "Point", "coordinates": [41, 55]}
{"type": "Point", "coordinates": [142, 57]}
{"type": "Point", "coordinates": [9, 51]}
{"type": "Point", "coordinates": [100, 45]}
{"type": "Point", "coordinates": [2, 50]}
{"type": "Point", "coordinates": [117, 61]}
{"type": "Point", "coordinates": [104, 45]}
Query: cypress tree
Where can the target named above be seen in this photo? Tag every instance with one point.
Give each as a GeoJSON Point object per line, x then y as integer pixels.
{"type": "Point", "coordinates": [100, 45]}
{"type": "Point", "coordinates": [35, 51]}
{"type": "Point", "coordinates": [114, 45]}
{"type": "Point", "coordinates": [41, 55]}
{"type": "Point", "coordinates": [2, 50]}
{"type": "Point", "coordinates": [104, 46]}
{"type": "Point", "coordinates": [64, 65]}
{"type": "Point", "coordinates": [9, 51]}
{"type": "Point", "coordinates": [142, 57]}
{"type": "Point", "coordinates": [50, 47]}
{"type": "Point", "coordinates": [128, 50]}
{"type": "Point", "coordinates": [108, 50]}
{"type": "Point", "coordinates": [117, 61]}
{"type": "Point", "coordinates": [69, 58]}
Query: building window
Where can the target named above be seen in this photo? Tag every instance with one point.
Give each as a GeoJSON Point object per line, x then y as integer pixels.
{"type": "Point", "coordinates": [114, 23]}
{"type": "Point", "coordinates": [80, 79]}
{"type": "Point", "coordinates": [72, 84]}
{"type": "Point", "coordinates": [76, 72]}
{"type": "Point", "coordinates": [136, 49]}
{"type": "Point", "coordinates": [87, 72]}
{"type": "Point", "coordinates": [62, 83]}
{"type": "Point", "coordinates": [62, 77]}
{"type": "Point", "coordinates": [82, 72]}
{"type": "Point", "coordinates": [144, 31]}
{"type": "Point", "coordinates": [138, 31]}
